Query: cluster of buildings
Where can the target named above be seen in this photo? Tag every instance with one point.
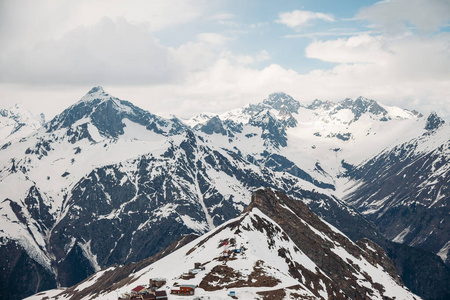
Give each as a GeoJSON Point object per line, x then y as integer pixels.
{"type": "Point", "coordinates": [154, 292]}
{"type": "Point", "coordinates": [192, 272]}
{"type": "Point", "coordinates": [149, 292]}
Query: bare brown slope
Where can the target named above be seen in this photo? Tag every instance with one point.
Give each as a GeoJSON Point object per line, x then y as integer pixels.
{"type": "Point", "coordinates": [288, 214]}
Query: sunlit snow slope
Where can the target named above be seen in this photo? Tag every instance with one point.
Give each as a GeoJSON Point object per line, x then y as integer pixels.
{"type": "Point", "coordinates": [312, 260]}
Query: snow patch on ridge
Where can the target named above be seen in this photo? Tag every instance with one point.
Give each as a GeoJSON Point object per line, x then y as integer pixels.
{"type": "Point", "coordinates": [443, 253]}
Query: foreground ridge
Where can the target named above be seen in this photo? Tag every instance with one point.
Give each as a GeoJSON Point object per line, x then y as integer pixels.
{"type": "Point", "coordinates": [277, 248]}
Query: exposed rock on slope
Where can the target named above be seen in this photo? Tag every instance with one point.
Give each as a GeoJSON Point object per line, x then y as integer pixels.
{"type": "Point", "coordinates": [285, 250]}
{"type": "Point", "coordinates": [405, 192]}
{"type": "Point", "coordinates": [106, 182]}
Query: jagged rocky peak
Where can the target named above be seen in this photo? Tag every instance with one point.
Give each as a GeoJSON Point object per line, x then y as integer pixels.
{"type": "Point", "coordinates": [17, 122]}
{"type": "Point", "coordinates": [358, 107]}
{"type": "Point", "coordinates": [107, 114]}
{"type": "Point", "coordinates": [434, 121]}
{"type": "Point", "coordinates": [213, 125]}
{"type": "Point", "coordinates": [273, 130]}
{"type": "Point", "coordinates": [97, 92]}
{"type": "Point", "coordinates": [282, 102]}
{"type": "Point", "coordinates": [361, 106]}
{"type": "Point", "coordinates": [320, 104]}
{"type": "Point", "coordinates": [276, 249]}
{"type": "Point", "coordinates": [22, 115]}
{"type": "Point", "coordinates": [95, 105]}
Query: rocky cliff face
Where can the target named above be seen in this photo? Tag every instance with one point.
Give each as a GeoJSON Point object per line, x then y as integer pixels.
{"type": "Point", "coordinates": [291, 253]}
{"type": "Point", "coordinates": [434, 122]}
{"type": "Point", "coordinates": [405, 192]}
{"type": "Point", "coordinates": [287, 213]}
{"type": "Point", "coordinates": [106, 182]}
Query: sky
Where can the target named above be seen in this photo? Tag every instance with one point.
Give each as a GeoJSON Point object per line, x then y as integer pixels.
{"type": "Point", "coordinates": [185, 57]}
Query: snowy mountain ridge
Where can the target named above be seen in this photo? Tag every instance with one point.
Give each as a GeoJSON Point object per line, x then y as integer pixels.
{"type": "Point", "coordinates": [17, 122]}
{"type": "Point", "coordinates": [106, 166]}
{"type": "Point", "coordinates": [271, 261]}
{"type": "Point", "coordinates": [411, 187]}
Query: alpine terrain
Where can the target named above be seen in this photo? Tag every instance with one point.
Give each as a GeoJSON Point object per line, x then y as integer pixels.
{"type": "Point", "coordinates": [107, 183]}
{"type": "Point", "coordinates": [276, 249]}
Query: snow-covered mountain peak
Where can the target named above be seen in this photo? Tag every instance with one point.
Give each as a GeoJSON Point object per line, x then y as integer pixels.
{"type": "Point", "coordinates": [109, 115]}
{"type": "Point", "coordinates": [276, 248]}
{"type": "Point", "coordinates": [202, 118]}
{"type": "Point", "coordinates": [434, 121]}
{"type": "Point", "coordinates": [22, 115]}
{"type": "Point", "coordinates": [361, 106]}
{"type": "Point", "coordinates": [316, 104]}
{"type": "Point", "coordinates": [98, 95]}
{"type": "Point", "coordinates": [282, 102]}
{"type": "Point", "coordinates": [96, 92]}
{"type": "Point", "coordinates": [352, 110]}
{"type": "Point", "coordinates": [17, 122]}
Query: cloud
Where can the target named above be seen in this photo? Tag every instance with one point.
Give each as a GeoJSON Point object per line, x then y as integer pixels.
{"type": "Point", "coordinates": [213, 38]}
{"type": "Point", "coordinates": [300, 19]}
{"type": "Point", "coordinates": [113, 52]}
{"type": "Point", "coordinates": [378, 67]}
{"type": "Point", "coordinates": [396, 15]}
{"type": "Point", "coordinates": [358, 49]}
{"type": "Point", "coordinates": [117, 52]}
{"type": "Point", "coordinates": [25, 22]}
{"type": "Point", "coordinates": [77, 42]}
{"type": "Point", "coordinates": [386, 68]}
{"type": "Point", "coordinates": [74, 48]}
{"type": "Point", "coordinates": [245, 60]}
{"type": "Point", "coordinates": [222, 16]}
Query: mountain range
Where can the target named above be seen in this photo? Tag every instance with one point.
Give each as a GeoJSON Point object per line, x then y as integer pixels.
{"type": "Point", "coordinates": [276, 249]}
{"type": "Point", "coordinates": [106, 182]}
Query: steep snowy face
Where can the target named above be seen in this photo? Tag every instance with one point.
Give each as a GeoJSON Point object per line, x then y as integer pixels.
{"type": "Point", "coordinates": [257, 255]}
{"type": "Point", "coordinates": [324, 132]}
{"type": "Point", "coordinates": [39, 174]}
{"type": "Point", "coordinates": [327, 138]}
{"type": "Point", "coordinates": [282, 102]}
{"type": "Point", "coordinates": [355, 109]}
{"type": "Point", "coordinates": [17, 122]}
{"type": "Point", "coordinates": [434, 122]}
{"type": "Point", "coordinates": [108, 115]}
{"type": "Point", "coordinates": [405, 191]}
{"type": "Point", "coordinates": [104, 180]}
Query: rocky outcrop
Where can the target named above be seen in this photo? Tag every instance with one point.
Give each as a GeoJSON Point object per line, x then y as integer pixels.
{"type": "Point", "coordinates": [287, 213]}
{"type": "Point", "coordinates": [434, 121]}
{"type": "Point", "coordinates": [20, 274]}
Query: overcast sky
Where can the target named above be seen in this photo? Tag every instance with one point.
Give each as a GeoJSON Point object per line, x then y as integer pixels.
{"type": "Point", "coordinates": [184, 57]}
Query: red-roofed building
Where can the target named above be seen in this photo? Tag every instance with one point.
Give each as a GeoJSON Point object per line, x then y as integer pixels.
{"type": "Point", "coordinates": [139, 290]}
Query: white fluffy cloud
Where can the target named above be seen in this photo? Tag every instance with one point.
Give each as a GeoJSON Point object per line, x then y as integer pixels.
{"type": "Point", "coordinates": [25, 22]}
{"type": "Point", "coordinates": [395, 15]}
{"type": "Point", "coordinates": [213, 38]}
{"type": "Point", "coordinates": [206, 71]}
{"type": "Point", "coordinates": [362, 48]}
{"type": "Point", "coordinates": [405, 58]}
{"type": "Point", "coordinates": [300, 19]}
{"type": "Point", "coordinates": [109, 51]}
{"type": "Point", "coordinates": [80, 42]}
